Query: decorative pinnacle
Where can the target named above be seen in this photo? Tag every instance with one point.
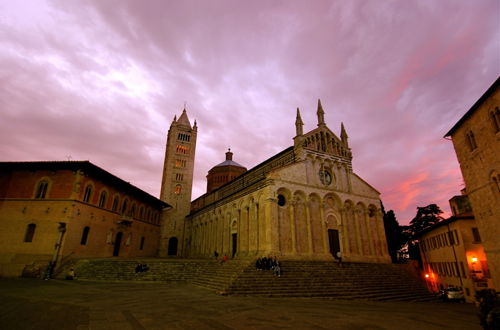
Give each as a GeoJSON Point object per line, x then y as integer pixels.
{"type": "Point", "coordinates": [321, 114]}
{"type": "Point", "coordinates": [298, 124]}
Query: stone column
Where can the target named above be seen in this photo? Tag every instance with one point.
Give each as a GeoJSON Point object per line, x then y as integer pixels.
{"type": "Point", "coordinates": [272, 230]}
{"type": "Point", "coordinates": [238, 242]}
{"type": "Point", "coordinates": [323, 226]}
{"type": "Point", "coordinates": [257, 229]}
{"type": "Point", "coordinates": [346, 252]}
{"type": "Point", "coordinates": [307, 205]}
{"type": "Point", "coordinates": [381, 233]}
{"type": "Point", "coordinates": [291, 219]}
{"type": "Point", "coordinates": [357, 221]}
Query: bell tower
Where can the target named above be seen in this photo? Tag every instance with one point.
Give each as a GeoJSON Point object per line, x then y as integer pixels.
{"type": "Point", "coordinates": [177, 183]}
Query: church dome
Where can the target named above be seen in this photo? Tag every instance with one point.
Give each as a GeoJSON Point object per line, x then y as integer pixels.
{"type": "Point", "coordinates": [224, 172]}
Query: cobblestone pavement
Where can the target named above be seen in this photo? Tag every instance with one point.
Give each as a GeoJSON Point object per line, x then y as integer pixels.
{"type": "Point", "coordinates": [57, 304]}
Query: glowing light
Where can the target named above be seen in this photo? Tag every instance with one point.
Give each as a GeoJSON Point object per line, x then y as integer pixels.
{"type": "Point", "coordinates": [427, 276]}
{"type": "Point", "coordinates": [474, 259]}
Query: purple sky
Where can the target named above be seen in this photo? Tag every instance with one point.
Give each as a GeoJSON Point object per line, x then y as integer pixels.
{"type": "Point", "coordinates": [102, 80]}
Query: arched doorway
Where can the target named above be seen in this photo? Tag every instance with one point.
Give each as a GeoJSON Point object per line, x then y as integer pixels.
{"type": "Point", "coordinates": [172, 246]}
{"type": "Point", "coordinates": [333, 234]}
{"type": "Point", "coordinates": [333, 240]}
{"type": "Point", "coordinates": [118, 241]}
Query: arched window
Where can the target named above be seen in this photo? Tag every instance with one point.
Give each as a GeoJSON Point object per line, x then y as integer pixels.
{"type": "Point", "coordinates": [141, 212]}
{"type": "Point", "coordinates": [132, 211]}
{"type": "Point", "coordinates": [30, 232]}
{"type": "Point", "coordinates": [124, 206]}
{"type": "Point", "coordinates": [116, 201]}
{"type": "Point", "coordinates": [85, 235]}
{"type": "Point", "coordinates": [495, 120]}
{"type": "Point", "coordinates": [87, 194]}
{"type": "Point", "coordinates": [102, 199]}
{"type": "Point", "coordinates": [496, 182]}
{"type": "Point", "coordinates": [41, 190]}
{"type": "Point", "coordinates": [178, 189]}
{"type": "Point", "coordinates": [471, 140]}
{"type": "Point", "coordinates": [148, 215]}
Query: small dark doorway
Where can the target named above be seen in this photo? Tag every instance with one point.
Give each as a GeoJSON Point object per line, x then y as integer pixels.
{"type": "Point", "coordinates": [118, 241]}
{"type": "Point", "coordinates": [172, 246]}
{"type": "Point", "coordinates": [333, 239]}
{"type": "Point", "coordinates": [235, 244]}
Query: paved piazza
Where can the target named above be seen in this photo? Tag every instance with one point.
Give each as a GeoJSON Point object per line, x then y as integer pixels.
{"type": "Point", "coordinates": [58, 304]}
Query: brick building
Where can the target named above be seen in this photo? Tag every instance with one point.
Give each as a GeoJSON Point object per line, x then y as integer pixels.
{"type": "Point", "coordinates": [58, 210]}
{"type": "Point", "coordinates": [476, 139]}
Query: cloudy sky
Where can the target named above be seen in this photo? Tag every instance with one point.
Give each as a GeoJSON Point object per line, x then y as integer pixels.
{"type": "Point", "coordinates": [102, 80]}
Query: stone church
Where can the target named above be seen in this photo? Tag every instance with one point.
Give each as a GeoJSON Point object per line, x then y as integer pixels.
{"type": "Point", "coordinates": [303, 203]}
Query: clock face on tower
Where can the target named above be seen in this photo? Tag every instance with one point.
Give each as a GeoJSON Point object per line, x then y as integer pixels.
{"type": "Point", "coordinates": [325, 177]}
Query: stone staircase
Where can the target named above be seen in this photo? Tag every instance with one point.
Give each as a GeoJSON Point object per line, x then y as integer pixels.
{"type": "Point", "coordinates": [328, 279]}
{"type": "Point", "coordinates": [206, 273]}
{"type": "Point", "coordinates": [239, 277]}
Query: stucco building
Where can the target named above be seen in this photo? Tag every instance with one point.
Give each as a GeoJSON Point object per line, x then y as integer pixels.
{"type": "Point", "coordinates": [452, 252]}
{"type": "Point", "coordinates": [57, 210]}
{"type": "Point", "coordinates": [304, 202]}
{"type": "Point", "coordinates": [476, 139]}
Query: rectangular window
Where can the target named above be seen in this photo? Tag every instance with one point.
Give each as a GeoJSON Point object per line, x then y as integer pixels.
{"type": "Point", "coordinates": [30, 232]}
{"type": "Point", "coordinates": [142, 243]}
{"type": "Point", "coordinates": [457, 242]}
{"type": "Point", "coordinates": [451, 238]}
{"type": "Point", "coordinates": [455, 270]}
{"type": "Point", "coordinates": [475, 235]}
{"type": "Point", "coordinates": [439, 240]}
{"type": "Point", "coordinates": [462, 268]}
{"type": "Point", "coordinates": [445, 239]}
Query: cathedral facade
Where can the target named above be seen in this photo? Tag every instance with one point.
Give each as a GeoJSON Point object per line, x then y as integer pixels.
{"type": "Point", "coordinates": [302, 203]}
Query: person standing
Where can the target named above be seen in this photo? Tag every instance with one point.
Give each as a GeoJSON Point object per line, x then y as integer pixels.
{"type": "Point", "coordinates": [339, 258]}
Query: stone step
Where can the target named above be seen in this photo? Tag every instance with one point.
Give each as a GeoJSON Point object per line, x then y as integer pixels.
{"type": "Point", "coordinates": [299, 278]}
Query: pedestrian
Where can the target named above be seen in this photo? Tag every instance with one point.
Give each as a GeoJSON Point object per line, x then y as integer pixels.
{"type": "Point", "coordinates": [216, 255]}
{"type": "Point", "coordinates": [49, 270]}
{"type": "Point", "coordinates": [71, 274]}
{"type": "Point", "coordinates": [258, 264]}
{"type": "Point", "coordinates": [224, 259]}
{"type": "Point", "coordinates": [277, 268]}
{"type": "Point", "coordinates": [339, 258]}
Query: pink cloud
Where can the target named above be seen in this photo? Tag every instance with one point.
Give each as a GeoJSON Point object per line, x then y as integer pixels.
{"type": "Point", "coordinates": [102, 80]}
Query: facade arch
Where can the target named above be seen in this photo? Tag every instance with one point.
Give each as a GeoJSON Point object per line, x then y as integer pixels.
{"type": "Point", "coordinates": [172, 246]}
{"type": "Point", "coordinates": [316, 223]}
{"type": "Point", "coordinates": [301, 222]}
{"type": "Point", "coordinates": [349, 220]}
{"type": "Point", "coordinates": [363, 228]}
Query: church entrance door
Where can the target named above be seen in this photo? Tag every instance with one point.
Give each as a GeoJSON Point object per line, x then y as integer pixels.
{"type": "Point", "coordinates": [118, 241]}
{"type": "Point", "coordinates": [333, 239]}
{"type": "Point", "coordinates": [235, 244]}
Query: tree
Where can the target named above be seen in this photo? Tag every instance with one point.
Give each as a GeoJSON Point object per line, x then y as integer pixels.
{"type": "Point", "coordinates": [426, 217]}
{"type": "Point", "coordinates": [393, 234]}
